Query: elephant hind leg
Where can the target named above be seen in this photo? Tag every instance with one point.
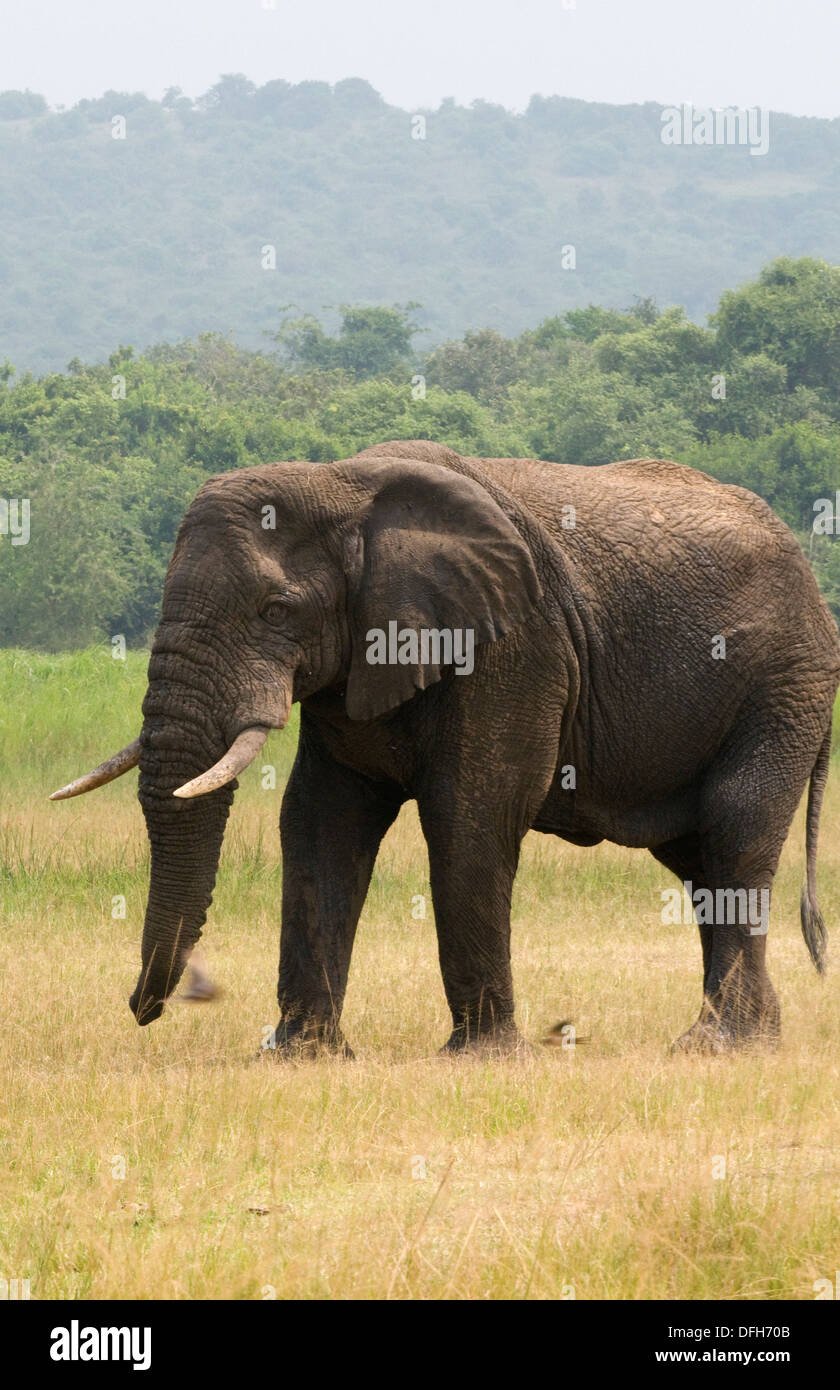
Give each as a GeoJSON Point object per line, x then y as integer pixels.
{"type": "Point", "coordinates": [732, 898]}
{"type": "Point", "coordinates": [746, 804]}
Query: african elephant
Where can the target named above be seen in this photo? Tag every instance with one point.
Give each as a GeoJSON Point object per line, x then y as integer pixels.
{"type": "Point", "coordinates": [653, 665]}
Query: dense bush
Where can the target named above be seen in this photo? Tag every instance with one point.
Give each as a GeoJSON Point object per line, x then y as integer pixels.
{"type": "Point", "coordinates": [108, 476]}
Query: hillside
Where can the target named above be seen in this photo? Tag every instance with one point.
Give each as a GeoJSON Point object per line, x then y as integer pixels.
{"type": "Point", "coordinates": [160, 235]}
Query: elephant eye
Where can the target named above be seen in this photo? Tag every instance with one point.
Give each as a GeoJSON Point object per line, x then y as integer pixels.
{"type": "Point", "coordinates": [275, 611]}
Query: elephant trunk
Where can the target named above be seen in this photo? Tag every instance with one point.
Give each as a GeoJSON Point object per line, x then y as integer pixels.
{"type": "Point", "coordinates": [186, 840]}
{"type": "Point", "coordinates": [185, 849]}
{"type": "Point", "coordinates": [198, 732]}
{"type": "Point", "coordinates": [181, 737]}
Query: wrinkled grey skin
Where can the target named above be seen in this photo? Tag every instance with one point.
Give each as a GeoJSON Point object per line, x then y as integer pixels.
{"type": "Point", "coordinates": [596, 652]}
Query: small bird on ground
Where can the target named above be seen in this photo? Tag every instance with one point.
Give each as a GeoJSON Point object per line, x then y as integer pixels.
{"type": "Point", "coordinates": [563, 1035]}
{"type": "Point", "coordinates": [200, 988]}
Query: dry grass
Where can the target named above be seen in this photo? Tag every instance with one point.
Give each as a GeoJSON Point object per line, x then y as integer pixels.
{"type": "Point", "coordinates": [615, 1171]}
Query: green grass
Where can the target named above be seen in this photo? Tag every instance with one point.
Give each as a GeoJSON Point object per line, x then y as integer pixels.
{"type": "Point", "coordinates": [615, 1170]}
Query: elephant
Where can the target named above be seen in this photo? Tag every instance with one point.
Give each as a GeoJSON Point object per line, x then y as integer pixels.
{"type": "Point", "coordinates": [650, 663]}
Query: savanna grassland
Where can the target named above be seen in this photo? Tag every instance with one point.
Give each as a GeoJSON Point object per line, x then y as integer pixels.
{"type": "Point", "coordinates": [614, 1171]}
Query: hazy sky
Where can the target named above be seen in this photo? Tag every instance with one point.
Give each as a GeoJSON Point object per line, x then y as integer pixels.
{"type": "Point", "coordinates": [784, 54]}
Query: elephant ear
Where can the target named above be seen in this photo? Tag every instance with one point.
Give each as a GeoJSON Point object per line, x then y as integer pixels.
{"type": "Point", "coordinates": [432, 551]}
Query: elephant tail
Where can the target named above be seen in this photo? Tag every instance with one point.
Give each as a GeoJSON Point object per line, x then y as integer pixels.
{"type": "Point", "coordinates": [813, 927]}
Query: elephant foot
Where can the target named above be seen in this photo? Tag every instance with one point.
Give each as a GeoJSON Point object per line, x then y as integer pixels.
{"type": "Point", "coordinates": [308, 1043]}
{"type": "Point", "coordinates": [500, 1042]}
{"type": "Point", "coordinates": [706, 1038]}
{"type": "Point", "coordinates": [713, 1037]}
{"type": "Point", "coordinates": [308, 1051]}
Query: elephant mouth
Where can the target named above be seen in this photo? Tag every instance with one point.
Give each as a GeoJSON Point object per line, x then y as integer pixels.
{"type": "Point", "coordinates": [240, 755]}
{"type": "Point", "coordinates": [241, 752]}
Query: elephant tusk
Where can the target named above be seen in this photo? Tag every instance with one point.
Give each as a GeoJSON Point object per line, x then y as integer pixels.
{"type": "Point", "coordinates": [121, 762]}
{"type": "Point", "coordinates": [240, 755]}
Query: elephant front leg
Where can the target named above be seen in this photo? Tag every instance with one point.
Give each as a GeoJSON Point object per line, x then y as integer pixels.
{"type": "Point", "coordinates": [472, 872]}
{"type": "Point", "coordinates": [331, 824]}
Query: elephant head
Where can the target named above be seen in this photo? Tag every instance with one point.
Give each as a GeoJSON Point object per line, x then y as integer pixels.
{"type": "Point", "coordinates": [279, 573]}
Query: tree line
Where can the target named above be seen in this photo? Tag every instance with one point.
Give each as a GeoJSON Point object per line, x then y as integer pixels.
{"type": "Point", "coordinates": [110, 454]}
